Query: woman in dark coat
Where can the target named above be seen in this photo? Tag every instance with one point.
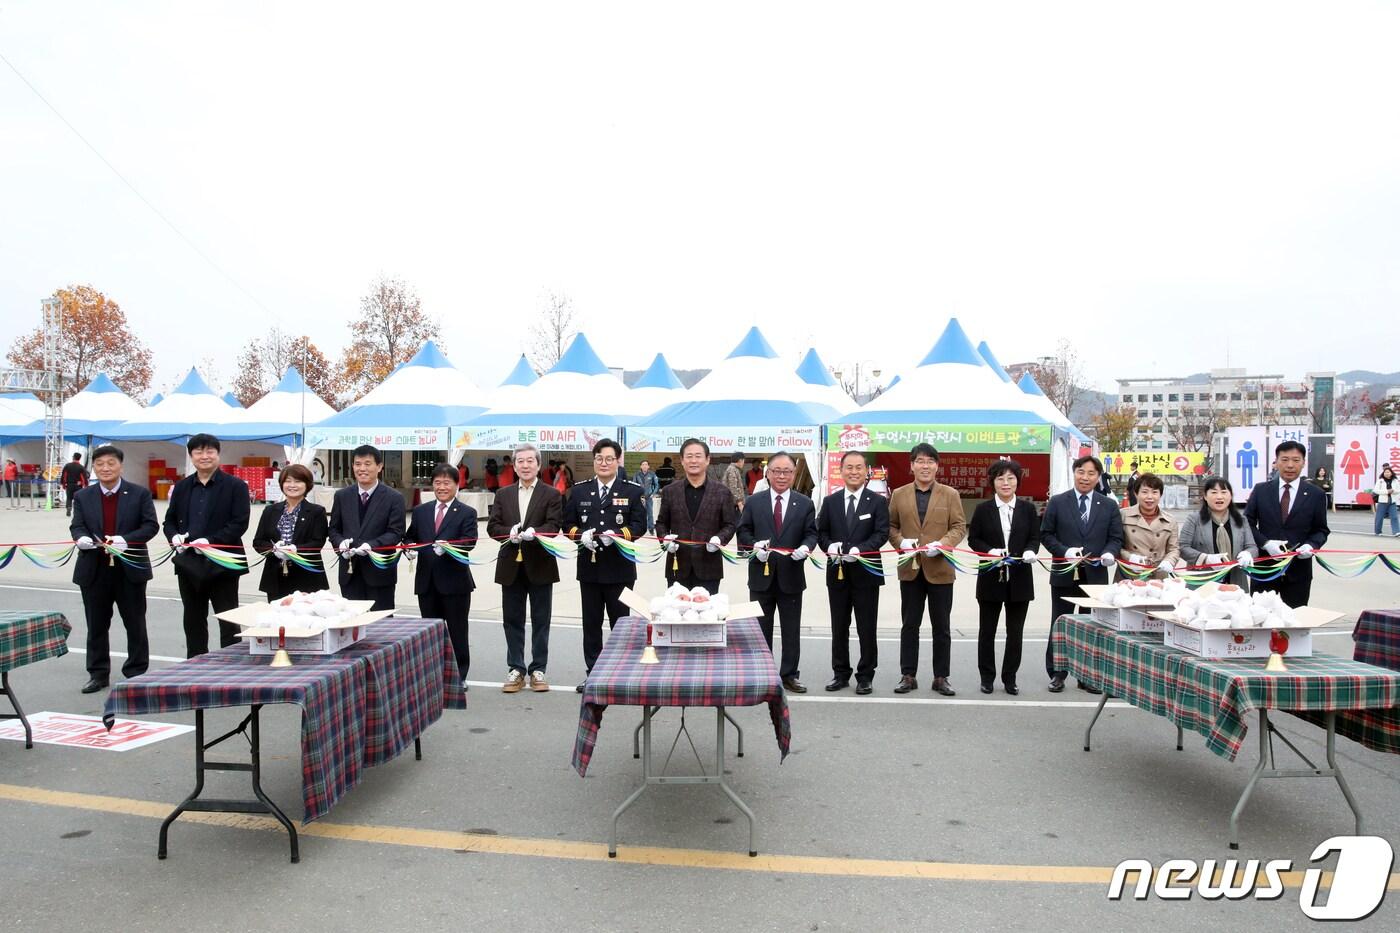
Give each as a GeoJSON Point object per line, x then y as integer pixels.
{"type": "Point", "coordinates": [1003, 526]}
{"type": "Point", "coordinates": [295, 525]}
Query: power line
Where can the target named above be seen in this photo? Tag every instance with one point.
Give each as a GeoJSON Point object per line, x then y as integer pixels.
{"type": "Point", "coordinates": [133, 189]}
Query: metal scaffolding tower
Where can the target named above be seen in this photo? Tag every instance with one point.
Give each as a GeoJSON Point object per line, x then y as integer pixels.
{"type": "Point", "coordinates": [47, 384]}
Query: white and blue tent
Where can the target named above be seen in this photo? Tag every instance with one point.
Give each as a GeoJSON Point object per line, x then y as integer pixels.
{"type": "Point", "coordinates": [658, 387]}
{"type": "Point", "coordinates": [824, 389]}
{"type": "Point", "coordinates": [576, 403]}
{"type": "Point", "coordinates": [231, 400]}
{"type": "Point", "coordinates": [1027, 385]}
{"type": "Point", "coordinates": [193, 408]}
{"type": "Point", "coordinates": [90, 414]}
{"type": "Point", "coordinates": [413, 408]}
{"type": "Point", "coordinates": [293, 406]}
{"type": "Point", "coordinates": [19, 413]}
{"type": "Point", "coordinates": [520, 376]}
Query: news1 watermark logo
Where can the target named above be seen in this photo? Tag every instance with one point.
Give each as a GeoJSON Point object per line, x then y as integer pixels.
{"type": "Point", "coordinates": [1358, 882]}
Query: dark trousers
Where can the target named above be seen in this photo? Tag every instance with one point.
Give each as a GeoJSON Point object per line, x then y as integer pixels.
{"type": "Point", "coordinates": [789, 609]}
{"type": "Point", "coordinates": [865, 601]}
{"type": "Point", "coordinates": [357, 588]}
{"type": "Point", "coordinates": [1294, 593]}
{"type": "Point", "coordinates": [513, 599]}
{"type": "Point", "coordinates": [219, 591]}
{"type": "Point", "coordinates": [68, 498]}
{"type": "Point", "coordinates": [988, 611]}
{"type": "Point", "coordinates": [112, 588]}
{"type": "Point", "coordinates": [690, 582]}
{"type": "Point", "coordinates": [1059, 606]}
{"type": "Point", "coordinates": [913, 595]}
{"type": "Point", "coordinates": [452, 608]}
{"type": "Point", "coordinates": [599, 598]}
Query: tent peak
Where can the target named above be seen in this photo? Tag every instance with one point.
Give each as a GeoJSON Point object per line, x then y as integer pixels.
{"type": "Point", "coordinates": [193, 384]}
{"type": "Point", "coordinates": [754, 344]}
{"type": "Point", "coordinates": [430, 356]}
{"type": "Point", "coordinates": [953, 347]}
{"type": "Point", "coordinates": [522, 374]}
{"type": "Point", "coordinates": [986, 353]}
{"type": "Point", "coordinates": [580, 358]}
{"type": "Point", "coordinates": [659, 375]}
{"type": "Point", "coordinates": [813, 371]}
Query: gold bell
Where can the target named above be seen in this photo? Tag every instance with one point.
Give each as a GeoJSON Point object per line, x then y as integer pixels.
{"type": "Point", "coordinates": [281, 658]}
{"type": "Point", "coordinates": [649, 653]}
{"type": "Point", "coordinates": [1275, 664]}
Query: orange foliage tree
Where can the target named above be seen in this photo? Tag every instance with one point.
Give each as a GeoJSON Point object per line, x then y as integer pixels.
{"type": "Point", "coordinates": [390, 328]}
{"type": "Point", "coordinates": [95, 338]}
{"type": "Point", "coordinates": [264, 360]}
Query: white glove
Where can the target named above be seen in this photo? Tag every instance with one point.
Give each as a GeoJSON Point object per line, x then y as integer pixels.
{"type": "Point", "coordinates": [278, 550]}
{"type": "Point", "coordinates": [1107, 560]}
{"type": "Point", "coordinates": [85, 543]}
{"type": "Point", "coordinates": [1028, 556]}
{"type": "Point", "coordinates": [997, 552]}
{"type": "Point", "coordinates": [437, 548]}
{"type": "Point", "coordinates": [761, 552]}
{"type": "Point", "coordinates": [1305, 551]}
{"type": "Point", "coordinates": [198, 541]}
{"type": "Point", "coordinates": [908, 544]}
{"type": "Point", "coordinates": [852, 555]}
{"type": "Point", "coordinates": [1136, 559]}
{"type": "Point", "coordinates": [801, 554]}
{"type": "Point", "coordinates": [1074, 553]}
{"type": "Point", "coordinates": [528, 534]}
{"type": "Point", "coordinates": [363, 549]}
{"type": "Point", "coordinates": [1167, 565]}
{"type": "Point", "coordinates": [933, 548]}
{"type": "Point", "coordinates": [515, 533]}
{"type": "Point", "coordinates": [178, 542]}
{"type": "Point", "coordinates": [1245, 559]}
{"type": "Point", "coordinates": [671, 544]}
{"type": "Point", "coordinates": [345, 548]}
{"type": "Point", "coordinates": [411, 553]}
{"type": "Point", "coordinates": [608, 538]}
{"type": "Point", "coordinates": [117, 543]}
{"type": "Point", "coordinates": [833, 550]}
{"type": "Point", "coordinates": [1275, 548]}
{"type": "Point", "coordinates": [713, 544]}
{"type": "Point", "coordinates": [586, 539]}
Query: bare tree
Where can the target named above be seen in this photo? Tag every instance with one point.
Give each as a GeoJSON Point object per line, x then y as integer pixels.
{"type": "Point", "coordinates": [390, 328]}
{"type": "Point", "coordinates": [551, 332]}
{"type": "Point", "coordinates": [1061, 377]}
{"type": "Point", "coordinates": [1195, 428]}
{"type": "Point", "coordinates": [264, 360]}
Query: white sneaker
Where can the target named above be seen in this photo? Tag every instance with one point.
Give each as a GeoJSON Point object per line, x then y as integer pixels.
{"type": "Point", "coordinates": [514, 681]}
{"type": "Point", "coordinates": [538, 683]}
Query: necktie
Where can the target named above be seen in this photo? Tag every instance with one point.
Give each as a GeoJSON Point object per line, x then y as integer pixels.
{"type": "Point", "coordinates": [364, 498]}
{"type": "Point", "coordinates": [441, 511]}
{"type": "Point", "coordinates": [850, 513]}
{"type": "Point", "coordinates": [603, 498]}
{"type": "Point", "coordinates": [777, 515]}
{"type": "Point", "coordinates": [1286, 501]}
{"type": "Point", "coordinates": [1084, 511]}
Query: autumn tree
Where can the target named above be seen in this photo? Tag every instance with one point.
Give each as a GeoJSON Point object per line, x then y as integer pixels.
{"type": "Point", "coordinates": [264, 360]}
{"type": "Point", "coordinates": [391, 327]}
{"type": "Point", "coordinates": [1194, 429]}
{"type": "Point", "coordinates": [95, 338]}
{"type": "Point", "coordinates": [551, 332]}
{"type": "Point", "coordinates": [1114, 427]}
{"type": "Point", "coordinates": [1061, 378]}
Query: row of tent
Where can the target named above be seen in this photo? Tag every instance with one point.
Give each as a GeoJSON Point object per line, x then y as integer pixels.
{"type": "Point", "coordinates": [955, 383]}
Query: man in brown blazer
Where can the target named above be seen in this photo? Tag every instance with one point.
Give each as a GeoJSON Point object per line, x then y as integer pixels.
{"type": "Point", "coordinates": [696, 509]}
{"type": "Point", "coordinates": [524, 569]}
{"type": "Point", "coordinates": [925, 517]}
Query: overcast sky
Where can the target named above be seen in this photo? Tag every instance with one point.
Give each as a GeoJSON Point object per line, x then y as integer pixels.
{"type": "Point", "coordinates": [1153, 182]}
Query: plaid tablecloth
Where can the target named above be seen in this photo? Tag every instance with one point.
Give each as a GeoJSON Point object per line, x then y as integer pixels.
{"type": "Point", "coordinates": [1377, 637]}
{"type": "Point", "coordinates": [360, 707]}
{"type": "Point", "coordinates": [740, 674]}
{"type": "Point", "coordinates": [1215, 697]}
{"type": "Point", "coordinates": [26, 637]}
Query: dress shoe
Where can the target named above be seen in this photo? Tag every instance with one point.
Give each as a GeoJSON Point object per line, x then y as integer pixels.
{"type": "Point", "coordinates": [1089, 688]}
{"type": "Point", "coordinates": [907, 683]}
{"type": "Point", "coordinates": [579, 688]}
{"type": "Point", "coordinates": [863, 688]}
{"type": "Point", "coordinates": [793, 685]}
{"type": "Point", "coordinates": [1057, 684]}
{"type": "Point", "coordinates": [93, 685]}
{"type": "Point", "coordinates": [837, 683]}
{"type": "Point", "coordinates": [1013, 690]}
{"type": "Point", "coordinates": [941, 685]}
{"type": "Point", "coordinates": [985, 688]}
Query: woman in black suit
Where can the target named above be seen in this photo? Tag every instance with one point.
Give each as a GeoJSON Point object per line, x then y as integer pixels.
{"type": "Point", "coordinates": [295, 525]}
{"type": "Point", "coordinates": [1004, 526]}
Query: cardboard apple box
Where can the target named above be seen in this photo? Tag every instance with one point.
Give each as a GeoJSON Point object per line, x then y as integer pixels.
{"type": "Point", "coordinates": [315, 637]}
{"type": "Point", "coordinates": [1246, 641]}
{"type": "Point", "coordinates": [687, 634]}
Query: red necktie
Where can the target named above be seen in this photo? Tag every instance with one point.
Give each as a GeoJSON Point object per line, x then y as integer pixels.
{"type": "Point", "coordinates": [1287, 500]}
{"type": "Point", "coordinates": [441, 511]}
{"type": "Point", "coordinates": [777, 515]}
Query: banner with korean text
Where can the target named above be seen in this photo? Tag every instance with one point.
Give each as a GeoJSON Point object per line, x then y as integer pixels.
{"type": "Point", "coordinates": [1161, 462]}
{"type": "Point", "coordinates": [570, 438]}
{"type": "Point", "coordinates": [1356, 461]}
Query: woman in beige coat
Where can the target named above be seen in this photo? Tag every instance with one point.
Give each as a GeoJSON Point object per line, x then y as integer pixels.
{"type": "Point", "coordinates": [1150, 534]}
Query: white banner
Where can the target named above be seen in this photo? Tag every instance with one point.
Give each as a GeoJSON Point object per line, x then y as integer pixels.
{"type": "Point", "coordinates": [794, 440]}
{"type": "Point", "coordinates": [1247, 459]}
{"type": "Point", "coordinates": [1355, 461]}
{"type": "Point", "coordinates": [1289, 432]}
{"type": "Point", "coordinates": [383, 438]}
{"type": "Point", "coordinates": [550, 437]}
{"type": "Point", "coordinates": [1388, 447]}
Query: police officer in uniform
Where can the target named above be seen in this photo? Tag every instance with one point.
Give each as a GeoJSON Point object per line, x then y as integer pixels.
{"type": "Point", "coordinates": [598, 511]}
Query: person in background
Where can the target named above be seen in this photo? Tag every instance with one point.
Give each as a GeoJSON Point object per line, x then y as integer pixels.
{"type": "Point", "coordinates": [1324, 482]}
{"type": "Point", "coordinates": [507, 474]}
{"type": "Point", "coordinates": [1386, 493]}
{"type": "Point", "coordinates": [1133, 479]}
{"type": "Point", "coordinates": [651, 487]}
{"type": "Point", "coordinates": [1149, 533]}
{"type": "Point", "coordinates": [665, 474]}
{"type": "Point", "coordinates": [1006, 528]}
{"type": "Point", "coordinates": [73, 478]}
{"type": "Point", "coordinates": [295, 525]}
{"type": "Point", "coordinates": [365, 517]}
{"type": "Point", "coordinates": [734, 479]}
{"type": "Point", "coordinates": [464, 475]}
{"type": "Point", "coordinates": [1079, 524]}
{"type": "Point", "coordinates": [122, 516]}
{"type": "Point", "coordinates": [12, 483]}
{"type": "Point", "coordinates": [925, 518]}
{"type": "Point", "coordinates": [442, 583]}
{"type": "Point", "coordinates": [208, 510]}
{"type": "Point", "coordinates": [853, 522]}
{"type": "Point", "coordinates": [1289, 514]}
{"type": "Point", "coordinates": [754, 476]}
{"type": "Point", "coordinates": [696, 510]}
{"type": "Point", "coordinates": [563, 478]}
{"type": "Point", "coordinates": [1218, 530]}
{"type": "Point", "coordinates": [492, 482]}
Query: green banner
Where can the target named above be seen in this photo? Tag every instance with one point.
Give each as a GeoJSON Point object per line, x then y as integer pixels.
{"type": "Point", "coordinates": [950, 438]}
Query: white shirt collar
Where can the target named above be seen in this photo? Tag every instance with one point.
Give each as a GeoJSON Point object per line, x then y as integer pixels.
{"type": "Point", "coordinates": [114, 490]}
{"type": "Point", "coordinates": [362, 490]}
{"type": "Point", "coordinates": [857, 493]}
{"type": "Point", "coordinates": [602, 484]}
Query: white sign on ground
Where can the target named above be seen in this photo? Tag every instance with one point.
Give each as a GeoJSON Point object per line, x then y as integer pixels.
{"type": "Point", "coordinates": [78, 731]}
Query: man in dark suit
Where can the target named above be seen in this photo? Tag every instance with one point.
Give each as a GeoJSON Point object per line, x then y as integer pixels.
{"type": "Point", "coordinates": [208, 511]}
{"type": "Point", "coordinates": [444, 584]}
{"type": "Point", "coordinates": [365, 517]}
{"type": "Point", "coordinates": [1289, 514]}
{"type": "Point", "coordinates": [598, 511]}
{"type": "Point", "coordinates": [525, 571]}
{"type": "Point", "coordinates": [1079, 523]}
{"type": "Point", "coordinates": [121, 516]}
{"type": "Point", "coordinates": [782, 518]}
{"type": "Point", "coordinates": [853, 522]}
{"type": "Point", "coordinates": [695, 509]}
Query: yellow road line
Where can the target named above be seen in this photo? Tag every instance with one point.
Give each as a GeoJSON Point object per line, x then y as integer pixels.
{"type": "Point", "coordinates": [597, 852]}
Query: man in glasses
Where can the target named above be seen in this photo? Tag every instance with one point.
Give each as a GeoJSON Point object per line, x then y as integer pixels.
{"type": "Point", "coordinates": [598, 512]}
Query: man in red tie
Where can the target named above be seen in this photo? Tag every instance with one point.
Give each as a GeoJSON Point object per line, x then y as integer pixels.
{"type": "Point", "coordinates": [1289, 515]}
{"type": "Point", "coordinates": [442, 582]}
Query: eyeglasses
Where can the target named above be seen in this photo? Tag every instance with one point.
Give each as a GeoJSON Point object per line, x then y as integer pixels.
{"type": "Point", "coordinates": [781, 472]}
{"type": "Point", "coordinates": [924, 461]}
{"type": "Point", "coordinates": [604, 459]}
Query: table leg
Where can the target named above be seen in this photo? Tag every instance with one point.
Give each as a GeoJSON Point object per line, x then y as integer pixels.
{"type": "Point", "coordinates": [1337, 770]}
{"type": "Point", "coordinates": [737, 728]}
{"type": "Point", "coordinates": [1102, 701]}
{"type": "Point", "coordinates": [644, 727]}
{"type": "Point", "coordinates": [1254, 777]}
{"type": "Point", "coordinates": [1178, 738]}
{"type": "Point", "coordinates": [636, 733]}
{"type": "Point", "coordinates": [720, 717]}
{"type": "Point", "coordinates": [418, 749]}
{"type": "Point", "coordinates": [263, 803]}
{"type": "Point", "coordinates": [9, 692]}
